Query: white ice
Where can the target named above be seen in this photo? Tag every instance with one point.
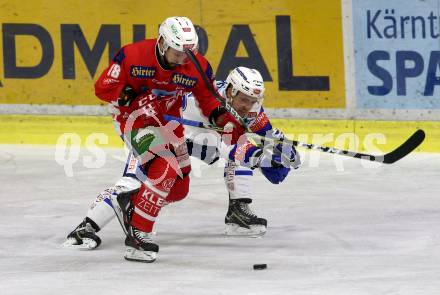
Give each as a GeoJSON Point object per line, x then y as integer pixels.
{"type": "Point", "coordinates": [333, 229]}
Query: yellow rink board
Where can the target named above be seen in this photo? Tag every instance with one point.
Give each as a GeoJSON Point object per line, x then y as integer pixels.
{"type": "Point", "coordinates": [309, 25]}
{"type": "Point", "coordinates": [46, 130]}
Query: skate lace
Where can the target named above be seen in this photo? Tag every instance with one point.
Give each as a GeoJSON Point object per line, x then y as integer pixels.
{"type": "Point", "coordinates": [247, 210]}
{"type": "Point", "coordinates": [142, 236]}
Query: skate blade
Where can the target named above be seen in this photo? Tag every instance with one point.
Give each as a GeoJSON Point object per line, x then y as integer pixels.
{"type": "Point", "coordinates": [234, 230]}
{"type": "Point", "coordinates": [133, 254]}
{"type": "Point", "coordinates": [88, 244]}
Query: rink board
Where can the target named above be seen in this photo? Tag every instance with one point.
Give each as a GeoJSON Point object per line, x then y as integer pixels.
{"type": "Point", "coordinates": [53, 53]}
{"type": "Point", "coordinates": [50, 130]}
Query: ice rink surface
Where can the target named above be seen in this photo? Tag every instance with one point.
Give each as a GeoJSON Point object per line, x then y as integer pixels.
{"type": "Point", "coordinates": [334, 228]}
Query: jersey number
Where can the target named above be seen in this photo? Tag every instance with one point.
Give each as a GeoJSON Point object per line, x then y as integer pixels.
{"type": "Point", "coordinates": [114, 71]}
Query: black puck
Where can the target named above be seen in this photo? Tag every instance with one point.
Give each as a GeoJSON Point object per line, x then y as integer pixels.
{"type": "Point", "coordinates": [260, 266]}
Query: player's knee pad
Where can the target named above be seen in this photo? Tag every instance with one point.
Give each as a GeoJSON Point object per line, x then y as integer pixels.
{"type": "Point", "coordinates": [179, 191]}
{"type": "Point", "coordinates": [165, 179]}
{"type": "Point", "coordinates": [126, 184]}
{"type": "Point", "coordinates": [161, 174]}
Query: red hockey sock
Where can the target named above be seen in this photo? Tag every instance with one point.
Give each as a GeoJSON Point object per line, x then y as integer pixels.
{"type": "Point", "coordinates": [163, 186]}
{"type": "Point", "coordinates": [147, 204]}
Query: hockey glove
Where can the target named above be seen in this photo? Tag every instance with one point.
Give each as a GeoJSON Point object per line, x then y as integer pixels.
{"type": "Point", "coordinates": [127, 96]}
{"type": "Point", "coordinates": [288, 153]}
{"type": "Point", "coordinates": [273, 169]}
{"type": "Point", "coordinates": [246, 155]}
{"type": "Point", "coordinates": [232, 128]}
{"type": "Point", "coordinates": [250, 156]}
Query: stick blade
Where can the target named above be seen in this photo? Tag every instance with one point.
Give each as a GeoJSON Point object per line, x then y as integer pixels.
{"type": "Point", "coordinates": [405, 148]}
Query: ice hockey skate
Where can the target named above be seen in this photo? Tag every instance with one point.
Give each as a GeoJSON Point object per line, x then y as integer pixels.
{"type": "Point", "coordinates": [139, 245]}
{"type": "Point", "coordinates": [83, 236]}
{"type": "Point", "coordinates": [240, 221]}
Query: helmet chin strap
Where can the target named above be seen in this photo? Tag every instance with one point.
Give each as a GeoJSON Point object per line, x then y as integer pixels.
{"type": "Point", "coordinates": [229, 94]}
{"type": "Point", "coordinates": [164, 45]}
{"type": "Point", "coordinates": [161, 58]}
{"type": "Point", "coordinates": [229, 100]}
{"type": "Point", "coordinates": [234, 92]}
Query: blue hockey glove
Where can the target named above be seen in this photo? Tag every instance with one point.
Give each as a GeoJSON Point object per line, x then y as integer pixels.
{"type": "Point", "coordinates": [288, 153]}
{"type": "Point", "coordinates": [272, 168]}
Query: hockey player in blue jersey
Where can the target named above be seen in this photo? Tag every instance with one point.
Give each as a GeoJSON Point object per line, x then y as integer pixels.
{"type": "Point", "coordinates": [244, 91]}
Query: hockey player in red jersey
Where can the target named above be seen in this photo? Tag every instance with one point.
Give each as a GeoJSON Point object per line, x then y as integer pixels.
{"type": "Point", "coordinates": [146, 80]}
{"type": "Point", "coordinates": [153, 75]}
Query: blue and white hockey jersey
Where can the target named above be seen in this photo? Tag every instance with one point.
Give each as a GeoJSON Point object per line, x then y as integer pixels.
{"type": "Point", "coordinates": [257, 121]}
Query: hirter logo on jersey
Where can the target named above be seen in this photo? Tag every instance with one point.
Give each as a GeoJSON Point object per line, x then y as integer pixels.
{"type": "Point", "coordinates": [142, 72]}
{"type": "Point", "coordinates": [185, 81]}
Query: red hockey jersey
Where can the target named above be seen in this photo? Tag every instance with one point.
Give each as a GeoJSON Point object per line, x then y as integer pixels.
{"type": "Point", "coordinates": [137, 65]}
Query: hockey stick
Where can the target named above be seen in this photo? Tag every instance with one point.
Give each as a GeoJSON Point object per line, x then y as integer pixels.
{"type": "Point", "coordinates": [401, 151]}
{"type": "Point", "coordinates": [193, 123]}
{"type": "Point", "coordinates": [404, 149]}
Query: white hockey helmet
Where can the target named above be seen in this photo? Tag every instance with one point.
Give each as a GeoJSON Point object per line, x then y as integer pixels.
{"type": "Point", "coordinates": [248, 81]}
{"type": "Point", "coordinates": [179, 33]}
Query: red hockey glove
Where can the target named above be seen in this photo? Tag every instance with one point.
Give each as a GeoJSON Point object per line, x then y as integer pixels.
{"type": "Point", "coordinates": [232, 128]}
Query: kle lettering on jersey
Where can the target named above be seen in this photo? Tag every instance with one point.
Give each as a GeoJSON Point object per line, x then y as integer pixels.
{"type": "Point", "coordinates": [183, 80]}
